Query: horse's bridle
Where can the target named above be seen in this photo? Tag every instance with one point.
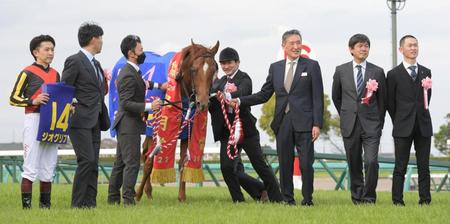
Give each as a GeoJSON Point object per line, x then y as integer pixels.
{"type": "Point", "coordinates": [193, 71]}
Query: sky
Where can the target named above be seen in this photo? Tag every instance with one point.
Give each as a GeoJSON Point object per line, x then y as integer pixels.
{"type": "Point", "coordinates": [252, 27]}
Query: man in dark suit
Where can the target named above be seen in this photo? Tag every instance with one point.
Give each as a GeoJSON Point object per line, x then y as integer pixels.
{"type": "Point", "coordinates": [298, 117]}
{"type": "Point", "coordinates": [411, 119]}
{"type": "Point", "coordinates": [90, 116]}
{"type": "Point", "coordinates": [236, 84]}
{"type": "Point", "coordinates": [361, 120]}
{"type": "Point", "coordinates": [129, 123]}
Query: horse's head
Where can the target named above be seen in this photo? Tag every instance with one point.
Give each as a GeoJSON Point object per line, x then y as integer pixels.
{"type": "Point", "coordinates": [197, 71]}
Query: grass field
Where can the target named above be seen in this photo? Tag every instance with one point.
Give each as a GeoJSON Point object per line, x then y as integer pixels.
{"type": "Point", "coordinates": [213, 205]}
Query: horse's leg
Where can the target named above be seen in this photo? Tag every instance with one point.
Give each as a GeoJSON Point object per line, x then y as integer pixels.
{"type": "Point", "coordinates": [183, 157]}
{"type": "Point", "coordinates": [148, 143]}
{"type": "Point", "coordinates": [148, 186]}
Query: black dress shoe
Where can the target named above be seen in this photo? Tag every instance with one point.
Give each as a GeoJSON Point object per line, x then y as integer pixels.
{"type": "Point", "coordinates": [424, 203]}
{"type": "Point", "coordinates": [307, 203]}
{"type": "Point", "coordinates": [290, 203]}
{"type": "Point", "coordinates": [399, 203]}
{"type": "Point", "coordinates": [368, 201]}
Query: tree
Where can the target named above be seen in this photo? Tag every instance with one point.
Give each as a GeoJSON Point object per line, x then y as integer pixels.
{"type": "Point", "coordinates": [441, 137]}
{"type": "Point", "coordinates": [330, 124]}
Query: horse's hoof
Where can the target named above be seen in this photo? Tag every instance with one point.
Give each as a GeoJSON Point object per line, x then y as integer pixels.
{"type": "Point", "coordinates": [138, 197]}
{"type": "Point", "coordinates": [182, 198]}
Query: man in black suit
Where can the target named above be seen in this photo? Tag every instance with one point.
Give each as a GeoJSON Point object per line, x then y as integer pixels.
{"type": "Point", "coordinates": [236, 84]}
{"type": "Point", "coordinates": [129, 123]}
{"type": "Point", "coordinates": [90, 116]}
{"type": "Point", "coordinates": [361, 120]}
{"type": "Point", "coordinates": [298, 117]}
{"type": "Point", "coordinates": [411, 119]}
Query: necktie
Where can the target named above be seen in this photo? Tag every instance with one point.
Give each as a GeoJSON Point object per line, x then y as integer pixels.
{"type": "Point", "coordinates": [359, 80]}
{"type": "Point", "coordinates": [413, 72]}
{"type": "Point", "coordinates": [288, 81]}
{"type": "Point", "coordinates": [97, 72]}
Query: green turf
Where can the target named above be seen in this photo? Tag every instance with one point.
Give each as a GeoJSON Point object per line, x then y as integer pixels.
{"type": "Point", "coordinates": [212, 205]}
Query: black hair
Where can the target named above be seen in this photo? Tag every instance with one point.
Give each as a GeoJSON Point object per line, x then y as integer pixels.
{"type": "Point", "coordinates": [402, 40]}
{"type": "Point", "coordinates": [35, 43]}
{"type": "Point", "coordinates": [358, 38]}
{"type": "Point", "coordinates": [129, 43]}
{"type": "Point", "coordinates": [87, 31]}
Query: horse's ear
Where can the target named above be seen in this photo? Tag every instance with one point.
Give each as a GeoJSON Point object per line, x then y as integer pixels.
{"type": "Point", "coordinates": [215, 48]}
{"type": "Point", "coordinates": [192, 42]}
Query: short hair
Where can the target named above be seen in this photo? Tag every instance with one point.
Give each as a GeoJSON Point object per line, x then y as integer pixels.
{"type": "Point", "coordinates": [87, 31]}
{"type": "Point", "coordinates": [290, 33]}
{"type": "Point", "coordinates": [129, 43]}
{"type": "Point", "coordinates": [402, 40]}
{"type": "Point", "coordinates": [358, 38]}
{"type": "Point", "coordinates": [35, 43]}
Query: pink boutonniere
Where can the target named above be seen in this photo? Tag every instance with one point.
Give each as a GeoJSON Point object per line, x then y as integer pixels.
{"type": "Point", "coordinates": [371, 87]}
{"type": "Point", "coordinates": [426, 84]}
{"type": "Point", "coordinates": [230, 87]}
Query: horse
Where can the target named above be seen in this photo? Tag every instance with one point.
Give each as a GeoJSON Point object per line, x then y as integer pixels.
{"type": "Point", "coordinates": [197, 70]}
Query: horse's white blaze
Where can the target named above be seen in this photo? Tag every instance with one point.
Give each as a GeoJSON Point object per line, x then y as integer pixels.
{"type": "Point", "coordinates": [205, 67]}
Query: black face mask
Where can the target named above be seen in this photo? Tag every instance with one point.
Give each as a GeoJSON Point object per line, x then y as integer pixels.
{"type": "Point", "coordinates": [141, 59]}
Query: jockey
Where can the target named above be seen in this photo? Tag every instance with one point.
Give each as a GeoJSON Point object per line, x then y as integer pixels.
{"type": "Point", "coordinates": [39, 159]}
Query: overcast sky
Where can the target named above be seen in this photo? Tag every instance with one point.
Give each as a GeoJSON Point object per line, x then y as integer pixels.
{"type": "Point", "coordinates": [253, 27]}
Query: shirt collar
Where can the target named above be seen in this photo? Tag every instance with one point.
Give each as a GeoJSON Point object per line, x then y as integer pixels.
{"type": "Point", "coordinates": [289, 61]}
{"type": "Point", "coordinates": [88, 54]}
{"type": "Point", "coordinates": [234, 74]}
{"type": "Point", "coordinates": [406, 64]}
{"type": "Point", "coordinates": [135, 66]}
{"type": "Point", "coordinates": [363, 64]}
{"type": "Point", "coordinates": [42, 67]}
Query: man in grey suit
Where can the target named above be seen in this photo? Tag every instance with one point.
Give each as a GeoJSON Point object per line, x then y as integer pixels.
{"type": "Point", "coordinates": [90, 116]}
{"type": "Point", "coordinates": [361, 120]}
{"type": "Point", "coordinates": [129, 123]}
{"type": "Point", "coordinates": [298, 117]}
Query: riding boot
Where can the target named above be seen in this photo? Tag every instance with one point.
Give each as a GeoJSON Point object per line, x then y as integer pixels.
{"type": "Point", "coordinates": [26, 187]}
{"type": "Point", "coordinates": [44, 200]}
{"type": "Point", "coordinates": [26, 200]}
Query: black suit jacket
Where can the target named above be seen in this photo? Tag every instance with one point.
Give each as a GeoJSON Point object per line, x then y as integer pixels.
{"type": "Point", "coordinates": [405, 101]}
{"type": "Point", "coordinates": [305, 97]}
{"type": "Point", "coordinates": [348, 102]}
{"type": "Point", "coordinates": [131, 89]}
{"type": "Point", "coordinates": [243, 83]}
{"type": "Point", "coordinates": [89, 92]}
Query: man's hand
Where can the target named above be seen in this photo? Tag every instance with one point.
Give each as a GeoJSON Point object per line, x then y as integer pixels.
{"type": "Point", "coordinates": [315, 133]}
{"type": "Point", "coordinates": [233, 102]}
{"type": "Point", "coordinates": [163, 86]}
{"type": "Point", "coordinates": [41, 99]}
{"type": "Point", "coordinates": [156, 104]}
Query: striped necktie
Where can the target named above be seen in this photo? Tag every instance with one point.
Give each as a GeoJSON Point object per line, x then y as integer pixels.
{"type": "Point", "coordinates": [359, 80]}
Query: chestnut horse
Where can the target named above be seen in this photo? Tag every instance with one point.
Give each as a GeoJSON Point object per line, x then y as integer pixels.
{"type": "Point", "coordinates": [197, 70]}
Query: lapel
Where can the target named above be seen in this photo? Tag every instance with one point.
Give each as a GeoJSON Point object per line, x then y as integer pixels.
{"type": "Point", "coordinates": [405, 75]}
{"type": "Point", "coordinates": [369, 74]}
{"type": "Point", "coordinates": [281, 78]}
{"type": "Point", "coordinates": [298, 71]}
{"type": "Point", "coordinates": [137, 76]}
{"type": "Point", "coordinates": [421, 74]}
{"type": "Point", "coordinates": [349, 76]}
{"type": "Point", "coordinates": [87, 64]}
